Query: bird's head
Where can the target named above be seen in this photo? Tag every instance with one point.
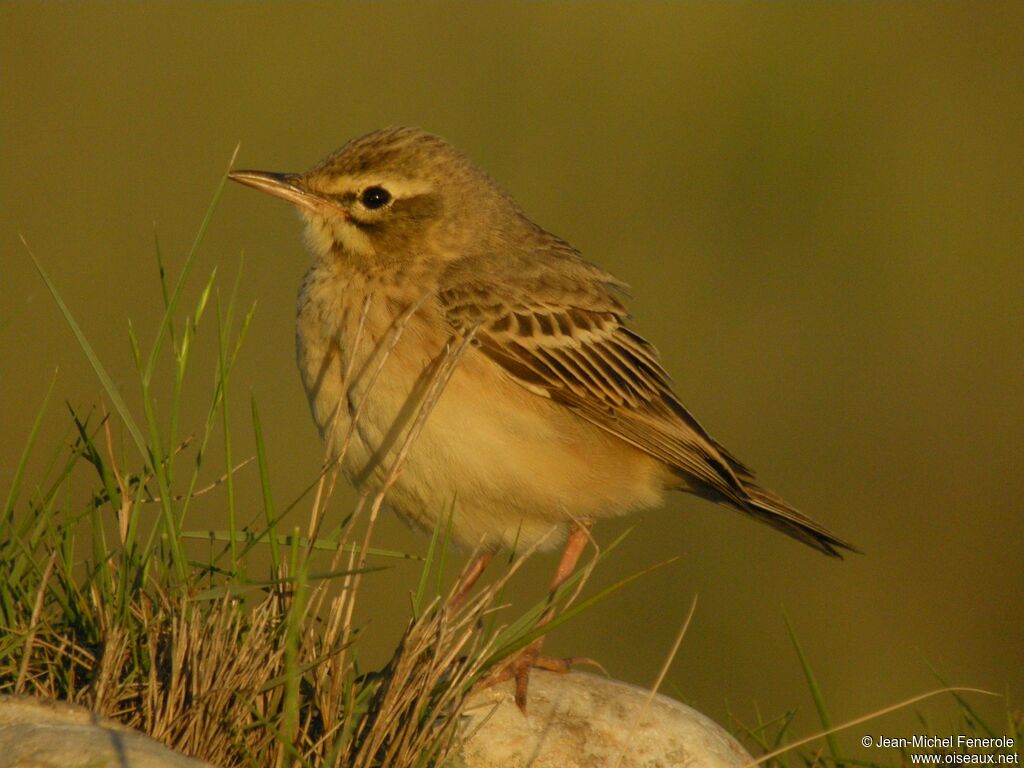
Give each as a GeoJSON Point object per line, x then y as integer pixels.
{"type": "Point", "coordinates": [392, 195]}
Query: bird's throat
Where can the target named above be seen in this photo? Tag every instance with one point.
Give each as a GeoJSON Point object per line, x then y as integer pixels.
{"type": "Point", "coordinates": [332, 237]}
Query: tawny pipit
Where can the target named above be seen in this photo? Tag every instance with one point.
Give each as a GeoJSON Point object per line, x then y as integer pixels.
{"type": "Point", "coordinates": [556, 414]}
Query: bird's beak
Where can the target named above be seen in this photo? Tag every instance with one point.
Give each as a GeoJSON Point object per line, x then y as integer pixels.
{"type": "Point", "coordinates": [287, 186]}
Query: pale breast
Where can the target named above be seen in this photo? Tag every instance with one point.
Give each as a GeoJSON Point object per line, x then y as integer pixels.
{"type": "Point", "coordinates": [513, 466]}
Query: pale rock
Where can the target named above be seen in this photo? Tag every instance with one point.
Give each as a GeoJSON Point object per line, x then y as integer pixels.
{"type": "Point", "coordinates": [584, 721]}
{"type": "Point", "coordinates": [38, 734]}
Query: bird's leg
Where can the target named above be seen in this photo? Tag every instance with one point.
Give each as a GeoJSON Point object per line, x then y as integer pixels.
{"type": "Point", "coordinates": [469, 578]}
{"type": "Point", "coordinates": [519, 666]}
{"type": "Point", "coordinates": [576, 542]}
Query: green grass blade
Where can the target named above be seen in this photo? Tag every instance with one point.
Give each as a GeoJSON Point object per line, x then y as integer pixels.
{"type": "Point", "coordinates": [428, 563]}
{"type": "Point", "coordinates": [223, 378]}
{"type": "Point", "coordinates": [172, 303]}
{"type": "Point", "coordinates": [108, 383]}
{"type": "Point", "coordinates": [819, 699]}
{"type": "Point", "coordinates": [182, 353]}
{"type": "Point", "coordinates": [162, 276]}
{"type": "Point", "coordinates": [446, 542]}
{"type": "Point", "coordinates": [286, 540]}
{"type": "Point", "coordinates": [19, 470]}
{"type": "Point", "coordinates": [243, 586]}
{"type": "Point", "coordinates": [268, 497]}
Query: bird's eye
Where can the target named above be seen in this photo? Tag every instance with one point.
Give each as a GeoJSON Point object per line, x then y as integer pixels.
{"type": "Point", "coordinates": [375, 197]}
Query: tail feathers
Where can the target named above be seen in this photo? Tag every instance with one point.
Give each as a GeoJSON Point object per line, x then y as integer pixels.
{"type": "Point", "coordinates": [734, 487]}
{"type": "Point", "coordinates": [766, 507]}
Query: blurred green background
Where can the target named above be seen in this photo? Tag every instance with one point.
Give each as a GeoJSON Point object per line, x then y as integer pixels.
{"type": "Point", "coordinates": [818, 207]}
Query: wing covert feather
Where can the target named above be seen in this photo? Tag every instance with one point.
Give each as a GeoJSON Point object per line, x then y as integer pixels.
{"type": "Point", "coordinates": [565, 337]}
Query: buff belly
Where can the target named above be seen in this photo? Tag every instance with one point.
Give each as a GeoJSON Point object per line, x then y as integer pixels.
{"type": "Point", "coordinates": [512, 467]}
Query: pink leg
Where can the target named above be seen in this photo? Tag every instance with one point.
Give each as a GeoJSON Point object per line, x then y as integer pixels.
{"type": "Point", "coordinates": [469, 579]}
{"type": "Point", "coordinates": [574, 546]}
{"type": "Point", "coordinates": [519, 666]}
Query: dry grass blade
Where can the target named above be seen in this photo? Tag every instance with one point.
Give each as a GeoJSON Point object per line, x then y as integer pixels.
{"type": "Point", "coordinates": [332, 458]}
{"type": "Point", "coordinates": [862, 719]}
{"type": "Point", "coordinates": [30, 636]}
{"type": "Point", "coordinates": [425, 688]}
{"type": "Point", "coordinates": [659, 680]}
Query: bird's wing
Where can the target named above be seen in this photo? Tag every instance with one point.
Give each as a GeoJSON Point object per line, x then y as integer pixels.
{"type": "Point", "coordinates": [555, 324]}
{"type": "Point", "coordinates": [557, 327]}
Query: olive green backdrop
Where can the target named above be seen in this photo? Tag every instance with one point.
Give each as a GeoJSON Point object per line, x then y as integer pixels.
{"type": "Point", "coordinates": [818, 207]}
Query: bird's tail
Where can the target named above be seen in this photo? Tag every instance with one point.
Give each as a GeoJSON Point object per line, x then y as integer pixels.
{"type": "Point", "coordinates": [737, 490]}
{"type": "Point", "coordinates": [765, 506]}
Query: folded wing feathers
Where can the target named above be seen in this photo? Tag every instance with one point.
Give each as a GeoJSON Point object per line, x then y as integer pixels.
{"type": "Point", "coordinates": [586, 359]}
{"type": "Point", "coordinates": [565, 338]}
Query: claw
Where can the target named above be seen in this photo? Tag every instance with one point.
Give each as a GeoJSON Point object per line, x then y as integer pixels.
{"type": "Point", "coordinates": [564, 665]}
{"type": "Point", "coordinates": [518, 669]}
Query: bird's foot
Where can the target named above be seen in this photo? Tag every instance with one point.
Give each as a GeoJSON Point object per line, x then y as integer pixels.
{"type": "Point", "coordinates": [518, 669]}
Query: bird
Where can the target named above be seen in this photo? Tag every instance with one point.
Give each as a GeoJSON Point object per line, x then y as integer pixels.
{"type": "Point", "coordinates": [553, 414]}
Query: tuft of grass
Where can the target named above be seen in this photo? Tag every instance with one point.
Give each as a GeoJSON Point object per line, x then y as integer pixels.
{"type": "Point", "coordinates": [777, 745]}
{"type": "Point", "coordinates": [112, 601]}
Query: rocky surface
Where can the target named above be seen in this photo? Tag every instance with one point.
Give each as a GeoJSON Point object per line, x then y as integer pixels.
{"type": "Point", "coordinates": [584, 721]}
{"type": "Point", "coordinates": [575, 721]}
{"type": "Point", "coordinates": [37, 734]}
